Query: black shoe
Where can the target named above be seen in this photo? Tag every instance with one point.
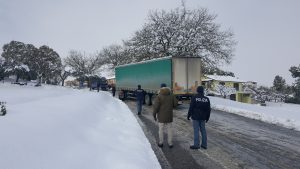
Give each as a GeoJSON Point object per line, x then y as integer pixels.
{"type": "Point", "coordinates": [204, 147]}
{"type": "Point", "coordinates": [194, 147]}
{"type": "Point", "coordinates": [171, 146]}
{"type": "Point", "coordinates": [160, 145]}
{"type": "Point", "coordinates": [139, 113]}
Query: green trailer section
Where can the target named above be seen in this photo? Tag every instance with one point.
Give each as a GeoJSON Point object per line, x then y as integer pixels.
{"type": "Point", "coordinates": [181, 74]}
{"type": "Point", "coordinates": [149, 74]}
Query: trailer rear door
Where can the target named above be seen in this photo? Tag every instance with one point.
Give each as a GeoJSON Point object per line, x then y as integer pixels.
{"type": "Point", "coordinates": [186, 75]}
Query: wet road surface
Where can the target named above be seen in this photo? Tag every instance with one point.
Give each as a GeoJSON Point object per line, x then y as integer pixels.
{"type": "Point", "coordinates": [233, 142]}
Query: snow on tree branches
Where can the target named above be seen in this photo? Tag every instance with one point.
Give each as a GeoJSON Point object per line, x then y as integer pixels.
{"type": "Point", "coordinates": [82, 65]}
{"type": "Point", "coordinates": [184, 33]}
{"type": "Point", "coordinates": [28, 62]}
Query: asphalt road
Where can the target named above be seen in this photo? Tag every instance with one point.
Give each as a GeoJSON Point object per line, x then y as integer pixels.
{"type": "Point", "coordinates": [233, 142]}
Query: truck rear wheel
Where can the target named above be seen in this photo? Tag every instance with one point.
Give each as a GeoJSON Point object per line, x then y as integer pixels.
{"type": "Point", "coordinates": [148, 99]}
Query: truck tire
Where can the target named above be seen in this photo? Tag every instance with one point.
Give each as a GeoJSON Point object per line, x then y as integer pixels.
{"type": "Point", "coordinates": [148, 99]}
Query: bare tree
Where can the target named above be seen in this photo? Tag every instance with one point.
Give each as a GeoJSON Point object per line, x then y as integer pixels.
{"type": "Point", "coordinates": [225, 91]}
{"type": "Point", "coordinates": [82, 65]}
{"type": "Point", "coordinates": [65, 72]}
{"type": "Point", "coordinates": [184, 33]}
{"type": "Point", "coordinates": [115, 55]}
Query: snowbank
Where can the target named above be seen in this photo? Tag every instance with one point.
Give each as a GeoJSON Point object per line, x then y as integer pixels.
{"type": "Point", "coordinates": [286, 115]}
{"type": "Point", "coordinates": [52, 127]}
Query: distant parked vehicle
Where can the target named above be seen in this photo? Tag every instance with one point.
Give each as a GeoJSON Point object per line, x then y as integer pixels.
{"type": "Point", "coordinates": [98, 83]}
{"type": "Point", "coordinates": [94, 86]}
{"type": "Point", "coordinates": [103, 84]}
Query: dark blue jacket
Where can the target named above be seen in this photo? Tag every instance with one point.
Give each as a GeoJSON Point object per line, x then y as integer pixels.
{"type": "Point", "coordinates": [199, 108]}
{"type": "Point", "coordinates": [139, 94]}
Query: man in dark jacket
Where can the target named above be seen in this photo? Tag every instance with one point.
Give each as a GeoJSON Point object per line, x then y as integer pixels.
{"type": "Point", "coordinates": [113, 90]}
{"type": "Point", "coordinates": [163, 111]}
{"type": "Point", "coordinates": [139, 93]}
{"type": "Point", "coordinates": [200, 112]}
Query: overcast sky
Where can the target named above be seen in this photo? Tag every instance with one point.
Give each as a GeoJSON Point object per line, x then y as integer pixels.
{"type": "Point", "coordinates": [267, 31]}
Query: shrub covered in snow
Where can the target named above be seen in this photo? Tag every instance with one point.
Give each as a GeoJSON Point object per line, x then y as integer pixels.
{"type": "Point", "coordinates": [2, 109]}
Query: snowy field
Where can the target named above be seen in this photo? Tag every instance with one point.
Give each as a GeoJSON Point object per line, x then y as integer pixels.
{"type": "Point", "coordinates": [52, 127]}
{"type": "Point", "coordinates": [286, 115]}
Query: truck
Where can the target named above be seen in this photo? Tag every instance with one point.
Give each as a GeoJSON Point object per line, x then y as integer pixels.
{"type": "Point", "coordinates": [181, 74]}
{"type": "Point", "coordinates": [97, 83]}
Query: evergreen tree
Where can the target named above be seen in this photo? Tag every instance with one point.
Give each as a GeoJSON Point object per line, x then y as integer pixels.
{"type": "Point", "coordinates": [297, 88]}
{"type": "Point", "coordinates": [2, 69]}
{"type": "Point", "coordinates": [296, 74]}
{"type": "Point", "coordinates": [14, 54]}
{"type": "Point", "coordinates": [295, 71]}
{"type": "Point", "coordinates": [279, 84]}
{"type": "Point", "coordinates": [31, 54]}
{"type": "Point", "coordinates": [46, 63]}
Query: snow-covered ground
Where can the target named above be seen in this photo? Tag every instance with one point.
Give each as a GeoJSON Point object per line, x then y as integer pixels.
{"type": "Point", "coordinates": [52, 127]}
{"type": "Point", "coordinates": [287, 115]}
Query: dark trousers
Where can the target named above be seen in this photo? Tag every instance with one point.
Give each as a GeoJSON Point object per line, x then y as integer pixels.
{"type": "Point", "coordinates": [199, 125]}
{"type": "Point", "coordinates": [139, 105]}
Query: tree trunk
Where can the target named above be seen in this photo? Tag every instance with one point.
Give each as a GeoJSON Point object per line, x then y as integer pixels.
{"type": "Point", "coordinates": [39, 81]}
{"type": "Point", "coordinates": [18, 76]}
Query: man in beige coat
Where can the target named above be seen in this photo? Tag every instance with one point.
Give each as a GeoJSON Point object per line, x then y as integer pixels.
{"type": "Point", "coordinates": [163, 111]}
